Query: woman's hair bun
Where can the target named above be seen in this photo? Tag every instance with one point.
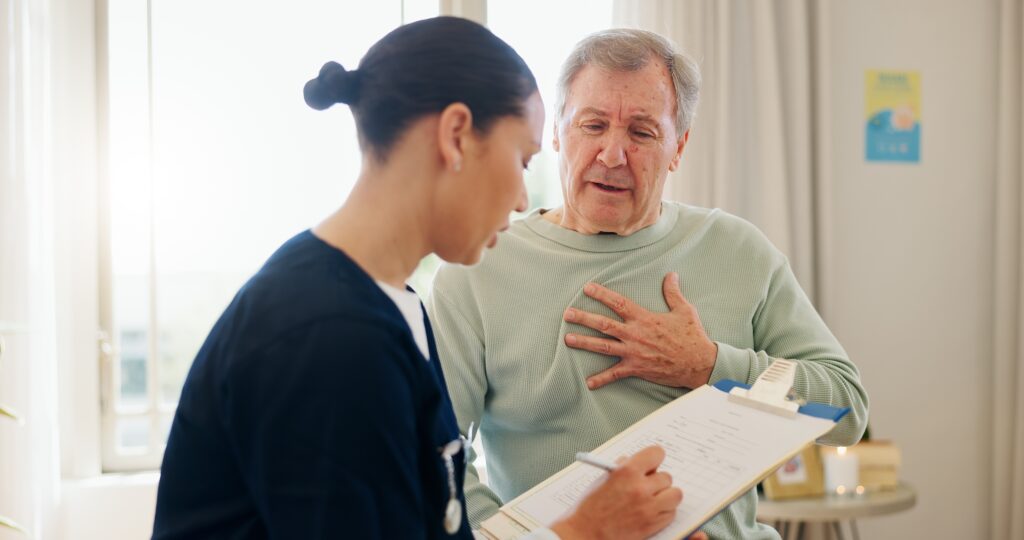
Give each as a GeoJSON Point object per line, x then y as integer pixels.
{"type": "Point", "coordinates": [332, 85]}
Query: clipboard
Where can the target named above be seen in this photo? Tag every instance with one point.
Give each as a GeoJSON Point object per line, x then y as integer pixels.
{"type": "Point", "coordinates": [719, 442]}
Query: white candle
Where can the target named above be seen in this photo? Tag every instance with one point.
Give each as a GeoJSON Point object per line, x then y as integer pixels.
{"type": "Point", "coordinates": [840, 472]}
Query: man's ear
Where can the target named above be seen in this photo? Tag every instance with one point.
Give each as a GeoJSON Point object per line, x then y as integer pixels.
{"type": "Point", "coordinates": [679, 151]}
{"type": "Point", "coordinates": [454, 128]}
{"type": "Point", "coordinates": [554, 138]}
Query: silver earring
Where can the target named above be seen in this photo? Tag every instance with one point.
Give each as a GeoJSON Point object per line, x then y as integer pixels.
{"type": "Point", "coordinates": [457, 166]}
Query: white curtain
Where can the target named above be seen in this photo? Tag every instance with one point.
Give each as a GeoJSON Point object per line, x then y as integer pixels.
{"type": "Point", "coordinates": [750, 151]}
{"type": "Point", "coordinates": [1007, 472]}
{"type": "Point", "coordinates": [29, 458]}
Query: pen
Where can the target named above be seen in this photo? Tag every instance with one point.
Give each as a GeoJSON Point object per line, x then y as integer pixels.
{"type": "Point", "coordinates": [590, 459]}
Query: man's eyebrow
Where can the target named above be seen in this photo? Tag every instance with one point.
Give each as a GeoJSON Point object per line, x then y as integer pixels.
{"type": "Point", "coordinates": [639, 117]}
{"type": "Point", "coordinates": [592, 110]}
{"type": "Point", "coordinates": [644, 117]}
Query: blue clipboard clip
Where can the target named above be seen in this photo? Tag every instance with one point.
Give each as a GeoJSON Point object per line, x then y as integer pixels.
{"type": "Point", "coordinates": [772, 392]}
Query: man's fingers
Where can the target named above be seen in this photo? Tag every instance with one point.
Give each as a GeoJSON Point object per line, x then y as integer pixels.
{"type": "Point", "coordinates": [622, 306]}
{"type": "Point", "coordinates": [597, 322]}
{"type": "Point", "coordinates": [673, 294]}
{"type": "Point", "coordinates": [610, 347]}
{"type": "Point", "coordinates": [607, 376]}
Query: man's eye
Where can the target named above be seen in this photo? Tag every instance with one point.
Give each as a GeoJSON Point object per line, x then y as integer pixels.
{"type": "Point", "coordinates": [592, 127]}
{"type": "Point", "coordinates": [643, 134]}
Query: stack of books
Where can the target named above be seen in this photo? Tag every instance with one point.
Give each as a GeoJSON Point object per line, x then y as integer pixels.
{"type": "Point", "coordinates": [879, 464]}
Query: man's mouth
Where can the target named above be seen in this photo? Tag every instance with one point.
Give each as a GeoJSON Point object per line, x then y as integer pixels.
{"type": "Point", "coordinates": [608, 188]}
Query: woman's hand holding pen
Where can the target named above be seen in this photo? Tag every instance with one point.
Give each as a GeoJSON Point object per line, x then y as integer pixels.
{"type": "Point", "coordinates": [635, 501]}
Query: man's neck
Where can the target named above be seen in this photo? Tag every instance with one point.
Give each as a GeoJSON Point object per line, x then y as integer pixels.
{"type": "Point", "coordinates": [559, 217]}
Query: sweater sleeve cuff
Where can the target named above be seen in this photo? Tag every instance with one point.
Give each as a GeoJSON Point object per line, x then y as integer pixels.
{"type": "Point", "coordinates": [731, 363]}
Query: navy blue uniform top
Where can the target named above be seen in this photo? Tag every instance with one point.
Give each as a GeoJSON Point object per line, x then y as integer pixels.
{"type": "Point", "coordinates": [309, 412]}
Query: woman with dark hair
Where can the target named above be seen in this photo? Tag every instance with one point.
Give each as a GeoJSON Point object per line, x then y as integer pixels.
{"type": "Point", "coordinates": [317, 407]}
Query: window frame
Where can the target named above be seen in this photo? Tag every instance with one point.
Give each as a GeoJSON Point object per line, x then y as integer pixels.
{"type": "Point", "coordinates": [112, 457]}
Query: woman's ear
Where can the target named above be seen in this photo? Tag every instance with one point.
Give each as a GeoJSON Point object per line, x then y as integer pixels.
{"type": "Point", "coordinates": [454, 129]}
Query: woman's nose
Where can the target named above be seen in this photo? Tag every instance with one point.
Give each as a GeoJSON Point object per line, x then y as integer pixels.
{"type": "Point", "coordinates": [524, 199]}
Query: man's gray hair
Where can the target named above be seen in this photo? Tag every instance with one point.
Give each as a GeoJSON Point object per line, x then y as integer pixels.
{"type": "Point", "coordinates": [627, 49]}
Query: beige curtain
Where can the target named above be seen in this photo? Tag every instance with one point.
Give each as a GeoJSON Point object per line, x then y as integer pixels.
{"type": "Point", "coordinates": [750, 151]}
{"type": "Point", "coordinates": [1007, 473]}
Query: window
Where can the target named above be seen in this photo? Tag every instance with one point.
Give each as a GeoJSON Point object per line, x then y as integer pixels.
{"type": "Point", "coordinates": [214, 160]}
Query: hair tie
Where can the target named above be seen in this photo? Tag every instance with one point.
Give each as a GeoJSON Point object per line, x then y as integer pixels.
{"type": "Point", "coordinates": [332, 85]}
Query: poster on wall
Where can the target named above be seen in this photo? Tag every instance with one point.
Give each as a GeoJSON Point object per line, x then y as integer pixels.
{"type": "Point", "coordinates": [892, 101]}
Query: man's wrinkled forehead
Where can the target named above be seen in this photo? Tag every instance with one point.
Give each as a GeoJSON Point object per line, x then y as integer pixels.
{"type": "Point", "coordinates": [643, 94]}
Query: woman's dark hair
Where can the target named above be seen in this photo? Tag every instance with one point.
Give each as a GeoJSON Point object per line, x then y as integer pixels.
{"type": "Point", "coordinates": [421, 68]}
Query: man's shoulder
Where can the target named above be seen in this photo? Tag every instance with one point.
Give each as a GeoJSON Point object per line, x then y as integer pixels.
{"type": "Point", "coordinates": [724, 235]}
{"type": "Point", "coordinates": [718, 223]}
{"type": "Point", "coordinates": [719, 220]}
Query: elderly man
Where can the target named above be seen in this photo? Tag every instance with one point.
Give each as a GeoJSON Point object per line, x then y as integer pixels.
{"type": "Point", "coordinates": [587, 317]}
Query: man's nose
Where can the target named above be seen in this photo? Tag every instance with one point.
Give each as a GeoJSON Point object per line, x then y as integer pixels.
{"type": "Point", "coordinates": [613, 153]}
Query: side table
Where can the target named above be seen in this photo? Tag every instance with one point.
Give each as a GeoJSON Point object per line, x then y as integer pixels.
{"type": "Point", "coordinates": [791, 515]}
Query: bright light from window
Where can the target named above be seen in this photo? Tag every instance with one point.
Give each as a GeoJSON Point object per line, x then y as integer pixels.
{"type": "Point", "coordinates": [241, 164]}
{"type": "Point", "coordinates": [214, 165]}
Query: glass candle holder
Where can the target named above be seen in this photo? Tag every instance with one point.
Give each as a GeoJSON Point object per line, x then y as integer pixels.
{"type": "Point", "coordinates": [841, 473]}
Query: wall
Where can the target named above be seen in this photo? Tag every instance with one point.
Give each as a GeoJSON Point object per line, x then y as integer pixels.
{"type": "Point", "coordinates": [112, 507]}
{"type": "Point", "coordinates": [911, 249]}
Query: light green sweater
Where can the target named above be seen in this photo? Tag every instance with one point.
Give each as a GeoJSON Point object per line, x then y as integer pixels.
{"type": "Point", "coordinates": [500, 334]}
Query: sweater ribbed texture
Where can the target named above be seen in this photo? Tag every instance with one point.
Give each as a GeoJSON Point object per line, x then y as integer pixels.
{"type": "Point", "coordinates": [500, 337]}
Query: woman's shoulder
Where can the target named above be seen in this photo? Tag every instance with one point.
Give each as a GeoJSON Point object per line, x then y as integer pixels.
{"type": "Point", "coordinates": [306, 285]}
